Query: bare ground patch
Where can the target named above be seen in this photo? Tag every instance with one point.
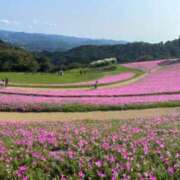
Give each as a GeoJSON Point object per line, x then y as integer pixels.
{"type": "Point", "coordinates": [109, 115]}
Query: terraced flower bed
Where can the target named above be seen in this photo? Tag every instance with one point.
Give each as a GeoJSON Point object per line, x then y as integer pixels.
{"type": "Point", "coordinates": [159, 86]}
{"type": "Point", "coordinates": [29, 103]}
{"type": "Point", "coordinates": [165, 80]}
{"type": "Point", "coordinates": [145, 65]}
{"type": "Point", "coordinates": [135, 149]}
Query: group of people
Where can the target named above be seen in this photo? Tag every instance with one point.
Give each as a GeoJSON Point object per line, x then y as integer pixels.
{"type": "Point", "coordinates": [4, 82]}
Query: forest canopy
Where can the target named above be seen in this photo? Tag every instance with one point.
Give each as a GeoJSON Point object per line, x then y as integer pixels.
{"type": "Point", "coordinates": [14, 58]}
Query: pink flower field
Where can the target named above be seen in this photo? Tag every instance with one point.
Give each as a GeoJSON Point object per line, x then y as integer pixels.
{"type": "Point", "coordinates": [145, 65]}
{"type": "Point", "coordinates": [146, 149]}
{"type": "Point", "coordinates": [158, 86]}
{"type": "Point", "coordinates": [26, 103]}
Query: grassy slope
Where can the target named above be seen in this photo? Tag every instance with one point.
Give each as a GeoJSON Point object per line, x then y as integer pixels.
{"type": "Point", "coordinates": [69, 76]}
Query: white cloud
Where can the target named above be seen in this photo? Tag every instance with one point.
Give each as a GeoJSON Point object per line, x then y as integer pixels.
{"type": "Point", "coordinates": [8, 22]}
{"type": "Point", "coordinates": [33, 24]}
{"type": "Point", "coordinates": [4, 21]}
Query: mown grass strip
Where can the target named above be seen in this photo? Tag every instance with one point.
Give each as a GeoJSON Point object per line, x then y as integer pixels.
{"type": "Point", "coordinates": [86, 108]}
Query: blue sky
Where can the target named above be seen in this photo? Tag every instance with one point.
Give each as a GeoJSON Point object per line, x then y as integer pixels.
{"type": "Point", "coordinates": [131, 20]}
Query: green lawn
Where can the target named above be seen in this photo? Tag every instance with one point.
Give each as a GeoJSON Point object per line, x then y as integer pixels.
{"type": "Point", "coordinates": [53, 78]}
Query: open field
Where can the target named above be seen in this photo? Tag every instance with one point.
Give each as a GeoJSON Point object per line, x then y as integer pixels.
{"type": "Point", "coordinates": [71, 78]}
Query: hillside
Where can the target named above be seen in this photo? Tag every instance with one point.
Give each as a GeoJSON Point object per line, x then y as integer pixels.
{"type": "Point", "coordinates": [45, 42]}
{"type": "Point", "coordinates": [131, 52]}
{"type": "Point", "coordinates": [16, 59]}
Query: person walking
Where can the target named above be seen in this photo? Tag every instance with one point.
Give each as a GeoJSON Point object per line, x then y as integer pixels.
{"type": "Point", "coordinates": [96, 84]}
{"type": "Point", "coordinates": [6, 82]}
{"type": "Point", "coordinates": [80, 72]}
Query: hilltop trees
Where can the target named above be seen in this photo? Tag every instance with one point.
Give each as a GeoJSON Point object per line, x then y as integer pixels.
{"type": "Point", "coordinates": [44, 64]}
{"type": "Point", "coordinates": [16, 59]}
{"type": "Point", "coordinates": [20, 60]}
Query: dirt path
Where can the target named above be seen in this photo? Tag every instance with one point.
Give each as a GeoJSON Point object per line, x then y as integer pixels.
{"type": "Point", "coordinates": [110, 115]}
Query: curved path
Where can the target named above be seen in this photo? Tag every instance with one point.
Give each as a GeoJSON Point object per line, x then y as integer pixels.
{"type": "Point", "coordinates": [108, 115]}
{"type": "Point", "coordinates": [120, 84]}
{"type": "Point", "coordinates": [127, 82]}
{"type": "Point", "coordinates": [104, 86]}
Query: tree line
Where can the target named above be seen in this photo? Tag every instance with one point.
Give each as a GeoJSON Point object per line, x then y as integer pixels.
{"type": "Point", "coordinates": [18, 59]}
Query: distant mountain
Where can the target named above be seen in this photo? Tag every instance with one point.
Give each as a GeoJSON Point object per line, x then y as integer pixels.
{"type": "Point", "coordinates": [45, 42]}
